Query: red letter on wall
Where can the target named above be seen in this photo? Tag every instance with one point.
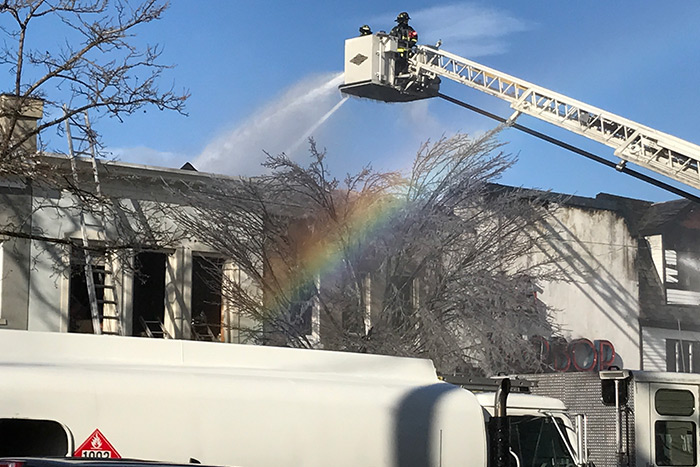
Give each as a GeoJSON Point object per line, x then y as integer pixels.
{"type": "Point", "coordinates": [606, 354]}
{"type": "Point", "coordinates": [583, 355]}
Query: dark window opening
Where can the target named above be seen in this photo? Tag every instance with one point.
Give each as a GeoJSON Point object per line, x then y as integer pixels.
{"type": "Point", "coordinates": [22, 437]}
{"type": "Point", "coordinates": [355, 317]}
{"type": "Point", "coordinates": [148, 304]}
{"type": "Point", "coordinates": [79, 312]}
{"type": "Point", "coordinates": [682, 356]}
{"type": "Point", "coordinates": [207, 280]}
{"type": "Point", "coordinates": [401, 300]}
{"type": "Point", "coordinates": [301, 308]}
{"type": "Point", "coordinates": [353, 321]}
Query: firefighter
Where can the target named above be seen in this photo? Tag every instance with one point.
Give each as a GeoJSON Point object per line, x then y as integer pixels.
{"type": "Point", "coordinates": [407, 38]}
{"type": "Point", "coordinates": [365, 30]}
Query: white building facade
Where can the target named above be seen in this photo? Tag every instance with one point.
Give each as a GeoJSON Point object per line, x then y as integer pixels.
{"type": "Point", "coordinates": [630, 289]}
{"type": "Point", "coordinates": [169, 290]}
{"type": "Point", "coordinates": [628, 294]}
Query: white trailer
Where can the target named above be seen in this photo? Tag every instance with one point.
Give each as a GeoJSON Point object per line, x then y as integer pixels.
{"type": "Point", "coordinates": [635, 418]}
{"type": "Point", "coordinates": [226, 404]}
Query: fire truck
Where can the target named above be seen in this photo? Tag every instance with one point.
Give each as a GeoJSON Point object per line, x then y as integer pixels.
{"type": "Point", "coordinates": [632, 418]}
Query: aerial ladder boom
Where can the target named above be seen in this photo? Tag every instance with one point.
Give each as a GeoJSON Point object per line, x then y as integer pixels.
{"type": "Point", "coordinates": [648, 148]}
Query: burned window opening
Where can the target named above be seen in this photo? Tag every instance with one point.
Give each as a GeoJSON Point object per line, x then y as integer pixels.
{"type": "Point", "coordinates": [79, 312]}
{"type": "Point", "coordinates": [301, 307]}
{"type": "Point", "coordinates": [148, 296]}
{"type": "Point", "coordinates": [402, 300]}
{"type": "Point", "coordinates": [207, 280]}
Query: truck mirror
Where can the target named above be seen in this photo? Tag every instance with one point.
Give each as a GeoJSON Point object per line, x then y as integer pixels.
{"type": "Point", "coordinates": [607, 389]}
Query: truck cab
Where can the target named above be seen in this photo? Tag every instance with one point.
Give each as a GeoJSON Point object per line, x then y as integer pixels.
{"type": "Point", "coordinates": [541, 432]}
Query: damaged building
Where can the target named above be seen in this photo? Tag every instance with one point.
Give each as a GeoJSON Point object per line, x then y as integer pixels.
{"type": "Point", "coordinates": [630, 290]}
{"type": "Point", "coordinates": [630, 283]}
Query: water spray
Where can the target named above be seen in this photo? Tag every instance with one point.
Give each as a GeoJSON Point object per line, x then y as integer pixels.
{"type": "Point", "coordinates": [315, 126]}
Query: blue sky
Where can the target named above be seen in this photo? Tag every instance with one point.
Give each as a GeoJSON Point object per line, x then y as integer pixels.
{"type": "Point", "coordinates": [263, 74]}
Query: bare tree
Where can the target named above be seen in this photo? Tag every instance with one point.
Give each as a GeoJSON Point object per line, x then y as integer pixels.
{"type": "Point", "coordinates": [430, 264]}
{"type": "Point", "coordinates": [65, 58]}
{"type": "Point", "coordinates": [90, 61]}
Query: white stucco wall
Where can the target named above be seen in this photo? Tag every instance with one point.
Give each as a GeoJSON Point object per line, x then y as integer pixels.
{"type": "Point", "coordinates": [48, 277]}
{"type": "Point", "coordinates": [597, 296]}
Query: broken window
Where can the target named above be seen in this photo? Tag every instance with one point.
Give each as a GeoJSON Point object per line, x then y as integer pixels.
{"type": "Point", "coordinates": [207, 278]}
{"type": "Point", "coordinates": [79, 313]}
{"type": "Point", "coordinates": [148, 297]}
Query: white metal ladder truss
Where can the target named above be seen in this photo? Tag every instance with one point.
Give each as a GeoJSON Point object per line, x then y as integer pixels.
{"type": "Point", "coordinates": [632, 142]}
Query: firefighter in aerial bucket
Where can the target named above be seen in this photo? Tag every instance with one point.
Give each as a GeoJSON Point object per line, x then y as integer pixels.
{"type": "Point", "coordinates": [407, 38]}
{"type": "Point", "coordinates": [365, 30]}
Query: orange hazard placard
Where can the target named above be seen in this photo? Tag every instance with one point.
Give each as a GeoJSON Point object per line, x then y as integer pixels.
{"type": "Point", "coordinates": [97, 446]}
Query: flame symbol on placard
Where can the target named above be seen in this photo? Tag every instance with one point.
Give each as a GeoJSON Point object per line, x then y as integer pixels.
{"type": "Point", "coordinates": [96, 443]}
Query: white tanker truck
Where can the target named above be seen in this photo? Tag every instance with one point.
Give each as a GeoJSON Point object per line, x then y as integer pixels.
{"type": "Point", "coordinates": [237, 405]}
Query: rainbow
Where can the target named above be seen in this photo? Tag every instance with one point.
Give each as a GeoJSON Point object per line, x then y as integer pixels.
{"type": "Point", "coordinates": [324, 252]}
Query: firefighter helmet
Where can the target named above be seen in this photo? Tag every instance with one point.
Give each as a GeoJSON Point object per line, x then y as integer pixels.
{"type": "Point", "coordinates": [365, 30]}
{"type": "Point", "coordinates": [402, 17]}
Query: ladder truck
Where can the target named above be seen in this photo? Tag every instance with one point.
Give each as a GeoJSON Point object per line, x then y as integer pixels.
{"type": "Point", "coordinates": [370, 72]}
{"type": "Point", "coordinates": [633, 418]}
